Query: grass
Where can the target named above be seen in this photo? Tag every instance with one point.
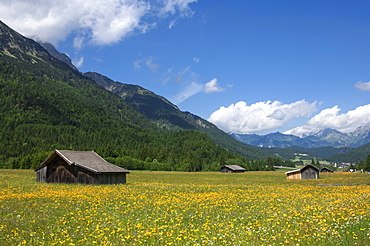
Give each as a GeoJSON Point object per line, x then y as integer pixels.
{"type": "Point", "coordinates": [176, 208]}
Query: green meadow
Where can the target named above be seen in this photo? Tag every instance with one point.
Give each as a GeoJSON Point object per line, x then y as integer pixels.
{"type": "Point", "coordinates": [178, 208]}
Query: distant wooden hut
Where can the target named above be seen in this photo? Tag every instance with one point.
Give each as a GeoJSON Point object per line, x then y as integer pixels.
{"type": "Point", "coordinates": [232, 169]}
{"type": "Point", "coordinates": [326, 170]}
{"type": "Point", "coordinates": [87, 167]}
{"type": "Point", "coordinates": [307, 172]}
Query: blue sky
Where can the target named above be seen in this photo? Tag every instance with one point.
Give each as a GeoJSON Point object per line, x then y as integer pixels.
{"type": "Point", "coordinates": [247, 66]}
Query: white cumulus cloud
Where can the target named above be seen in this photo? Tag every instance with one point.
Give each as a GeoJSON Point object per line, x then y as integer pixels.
{"type": "Point", "coordinates": [212, 87]}
{"type": "Point", "coordinates": [99, 22]}
{"type": "Point", "coordinates": [260, 116]}
{"type": "Point", "coordinates": [365, 86]}
{"type": "Point", "coordinates": [330, 118]}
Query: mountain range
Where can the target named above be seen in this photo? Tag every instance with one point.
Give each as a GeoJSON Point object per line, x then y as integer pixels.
{"type": "Point", "coordinates": [46, 103]}
{"type": "Point", "coordinates": [165, 114]}
{"type": "Point", "coordinates": [323, 138]}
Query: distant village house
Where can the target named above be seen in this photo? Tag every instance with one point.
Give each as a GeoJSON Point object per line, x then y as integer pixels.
{"type": "Point", "coordinates": [87, 167]}
{"type": "Point", "coordinates": [307, 172]}
{"type": "Point", "coordinates": [232, 169]}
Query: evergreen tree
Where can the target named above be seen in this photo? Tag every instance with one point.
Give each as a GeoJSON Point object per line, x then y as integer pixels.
{"type": "Point", "coordinates": [367, 164]}
{"type": "Point", "coordinates": [270, 164]}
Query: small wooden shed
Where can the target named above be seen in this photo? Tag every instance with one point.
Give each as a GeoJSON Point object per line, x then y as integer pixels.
{"type": "Point", "coordinates": [87, 167]}
{"type": "Point", "coordinates": [307, 172]}
{"type": "Point", "coordinates": [326, 170]}
{"type": "Point", "coordinates": [232, 169]}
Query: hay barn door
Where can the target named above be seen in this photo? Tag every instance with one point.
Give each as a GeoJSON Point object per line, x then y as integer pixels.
{"type": "Point", "coordinates": [311, 174]}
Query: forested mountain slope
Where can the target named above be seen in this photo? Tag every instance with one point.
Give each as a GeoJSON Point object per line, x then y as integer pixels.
{"type": "Point", "coordinates": [168, 116]}
{"type": "Point", "coordinates": [356, 155]}
{"type": "Point", "coordinates": [325, 152]}
{"type": "Point", "coordinates": [45, 104]}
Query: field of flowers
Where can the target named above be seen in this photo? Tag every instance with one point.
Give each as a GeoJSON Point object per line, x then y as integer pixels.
{"type": "Point", "coordinates": [175, 208]}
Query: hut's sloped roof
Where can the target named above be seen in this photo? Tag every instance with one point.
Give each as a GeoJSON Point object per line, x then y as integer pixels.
{"type": "Point", "coordinates": [326, 169]}
{"type": "Point", "coordinates": [294, 171]}
{"type": "Point", "coordinates": [303, 168]}
{"type": "Point", "coordinates": [234, 167]}
{"type": "Point", "coordinates": [308, 166]}
{"type": "Point", "coordinates": [86, 159]}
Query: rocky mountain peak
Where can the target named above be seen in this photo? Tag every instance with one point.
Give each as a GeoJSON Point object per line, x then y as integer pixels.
{"type": "Point", "coordinates": [326, 132]}
{"type": "Point", "coordinates": [362, 130]}
{"type": "Point", "coordinates": [56, 54]}
{"type": "Point", "coordinates": [323, 138]}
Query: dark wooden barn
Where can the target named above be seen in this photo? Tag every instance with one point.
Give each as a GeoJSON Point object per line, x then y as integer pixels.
{"type": "Point", "coordinates": [307, 172]}
{"type": "Point", "coordinates": [326, 170]}
{"type": "Point", "coordinates": [87, 167]}
{"type": "Point", "coordinates": [232, 169]}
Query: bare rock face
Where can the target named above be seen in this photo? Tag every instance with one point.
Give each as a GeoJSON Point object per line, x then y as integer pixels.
{"type": "Point", "coordinates": [56, 54]}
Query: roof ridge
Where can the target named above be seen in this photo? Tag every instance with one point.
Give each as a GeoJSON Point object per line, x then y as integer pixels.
{"type": "Point", "coordinates": [63, 156]}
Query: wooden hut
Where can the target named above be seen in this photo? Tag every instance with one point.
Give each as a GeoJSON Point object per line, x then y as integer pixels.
{"type": "Point", "coordinates": [87, 167]}
{"type": "Point", "coordinates": [307, 172]}
{"type": "Point", "coordinates": [326, 170]}
{"type": "Point", "coordinates": [232, 169]}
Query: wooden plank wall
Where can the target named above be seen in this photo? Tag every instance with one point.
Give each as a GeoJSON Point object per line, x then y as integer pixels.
{"type": "Point", "coordinates": [310, 173]}
{"type": "Point", "coordinates": [112, 178]}
{"type": "Point", "coordinates": [41, 174]}
{"type": "Point", "coordinates": [296, 175]}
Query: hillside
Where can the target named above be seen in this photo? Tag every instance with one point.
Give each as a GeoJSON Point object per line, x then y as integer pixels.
{"type": "Point", "coordinates": [158, 109]}
{"type": "Point", "coordinates": [325, 152]}
{"type": "Point", "coordinates": [46, 104]}
{"type": "Point", "coordinates": [168, 116]}
{"type": "Point", "coordinates": [356, 155]}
